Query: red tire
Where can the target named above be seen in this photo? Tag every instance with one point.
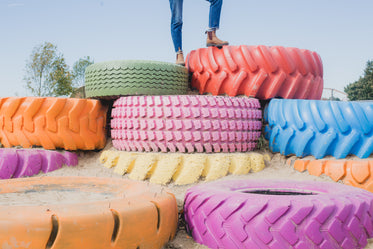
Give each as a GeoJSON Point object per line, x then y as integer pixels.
{"type": "Point", "coordinates": [257, 71]}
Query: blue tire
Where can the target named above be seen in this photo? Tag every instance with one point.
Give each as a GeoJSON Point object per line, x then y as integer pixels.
{"type": "Point", "coordinates": [319, 128]}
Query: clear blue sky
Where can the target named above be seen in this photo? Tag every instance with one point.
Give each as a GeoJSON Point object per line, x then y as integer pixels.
{"type": "Point", "coordinates": [341, 31]}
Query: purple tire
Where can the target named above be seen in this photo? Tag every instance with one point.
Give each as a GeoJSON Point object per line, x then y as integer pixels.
{"type": "Point", "coordinates": [15, 163]}
{"type": "Point", "coordinates": [8, 163]}
{"type": "Point", "coordinates": [279, 214]}
{"type": "Point", "coordinates": [188, 123]}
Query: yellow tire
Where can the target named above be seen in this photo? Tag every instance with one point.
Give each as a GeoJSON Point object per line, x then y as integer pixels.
{"type": "Point", "coordinates": [181, 168]}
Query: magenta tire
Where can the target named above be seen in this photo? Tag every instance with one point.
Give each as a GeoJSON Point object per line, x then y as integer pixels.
{"type": "Point", "coordinates": [253, 214]}
{"type": "Point", "coordinates": [186, 123]}
{"type": "Point", "coordinates": [15, 163]}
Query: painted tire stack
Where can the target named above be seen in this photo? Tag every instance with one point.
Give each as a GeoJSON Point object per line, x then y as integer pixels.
{"type": "Point", "coordinates": [76, 124]}
{"type": "Point", "coordinates": [169, 136]}
{"type": "Point", "coordinates": [52, 123]}
{"type": "Point", "coordinates": [324, 128]}
{"type": "Point", "coordinates": [242, 214]}
{"type": "Point", "coordinates": [310, 127]}
{"type": "Point", "coordinates": [161, 122]}
{"type": "Point", "coordinates": [237, 214]}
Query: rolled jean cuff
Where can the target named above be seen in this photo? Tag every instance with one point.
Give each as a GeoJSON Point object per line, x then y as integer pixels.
{"type": "Point", "coordinates": [212, 29]}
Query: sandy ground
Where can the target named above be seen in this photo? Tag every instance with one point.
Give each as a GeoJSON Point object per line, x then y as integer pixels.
{"type": "Point", "coordinates": [89, 165]}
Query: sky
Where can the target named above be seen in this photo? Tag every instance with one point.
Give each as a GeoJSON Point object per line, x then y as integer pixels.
{"type": "Point", "coordinates": [341, 31]}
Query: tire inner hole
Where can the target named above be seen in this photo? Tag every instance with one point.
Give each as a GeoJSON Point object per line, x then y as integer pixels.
{"type": "Point", "coordinates": [276, 192]}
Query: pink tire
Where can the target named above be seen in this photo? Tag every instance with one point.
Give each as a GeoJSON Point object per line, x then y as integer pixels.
{"type": "Point", "coordinates": [185, 123]}
{"type": "Point", "coordinates": [279, 214]}
{"type": "Point", "coordinates": [15, 163]}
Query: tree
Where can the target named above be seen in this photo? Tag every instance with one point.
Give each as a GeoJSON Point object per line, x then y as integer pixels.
{"type": "Point", "coordinates": [362, 89]}
{"type": "Point", "coordinates": [61, 78]}
{"type": "Point", "coordinates": [47, 73]}
{"type": "Point", "coordinates": [79, 70]}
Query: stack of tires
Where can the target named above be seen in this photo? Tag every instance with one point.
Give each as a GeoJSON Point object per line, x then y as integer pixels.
{"type": "Point", "coordinates": [51, 123]}
{"type": "Point", "coordinates": [162, 132]}
{"type": "Point", "coordinates": [278, 214]}
{"type": "Point", "coordinates": [321, 128]}
{"type": "Point", "coordinates": [71, 212]}
{"type": "Point", "coordinates": [206, 136]}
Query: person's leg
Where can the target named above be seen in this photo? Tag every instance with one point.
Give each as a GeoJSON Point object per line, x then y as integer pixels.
{"type": "Point", "coordinates": [176, 7]}
{"type": "Point", "coordinates": [214, 15]}
{"type": "Point", "coordinates": [214, 22]}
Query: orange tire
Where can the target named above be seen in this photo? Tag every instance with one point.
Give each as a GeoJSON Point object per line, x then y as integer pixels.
{"type": "Point", "coordinates": [71, 124]}
{"type": "Point", "coordinates": [117, 214]}
{"type": "Point", "coordinates": [356, 173]}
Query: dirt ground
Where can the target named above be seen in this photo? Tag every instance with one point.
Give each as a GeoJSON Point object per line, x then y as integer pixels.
{"type": "Point", "coordinates": [89, 165]}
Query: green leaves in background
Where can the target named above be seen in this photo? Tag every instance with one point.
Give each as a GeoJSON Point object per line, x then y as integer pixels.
{"type": "Point", "coordinates": [47, 73]}
{"type": "Point", "coordinates": [362, 89]}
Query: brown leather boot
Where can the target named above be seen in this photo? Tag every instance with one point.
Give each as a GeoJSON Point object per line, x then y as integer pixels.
{"type": "Point", "coordinates": [213, 40]}
{"type": "Point", "coordinates": [180, 58]}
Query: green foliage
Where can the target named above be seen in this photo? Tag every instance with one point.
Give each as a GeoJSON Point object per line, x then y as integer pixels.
{"type": "Point", "coordinates": [61, 78]}
{"type": "Point", "coordinates": [362, 89]}
{"type": "Point", "coordinates": [47, 73]}
{"type": "Point", "coordinates": [79, 70]}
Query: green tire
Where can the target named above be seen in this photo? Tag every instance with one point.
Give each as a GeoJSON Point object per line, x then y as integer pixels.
{"type": "Point", "coordinates": [132, 77]}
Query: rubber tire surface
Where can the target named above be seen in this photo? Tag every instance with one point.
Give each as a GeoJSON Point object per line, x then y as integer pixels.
{"type": "Point", "coordinates": [182, 168]}
{"type": "Point", "coordinates": [257, 71]}
{"type": "Point", "coordinates": [15, 163]}
{"type": "Point", "coordinates": [320, 128]}
{"type": "Point", "coordinates": [71, 124]}
{"type": "Point", "coordinates": [356, 173]}
{"type": "Point", "coordinates": [115, 78]}
{"type": "Point", "coordinates": [189, 123]}
{"type": "Point", "coordinates": [227, 215]}
{"type": "Point", "coordinates": [130, 215]}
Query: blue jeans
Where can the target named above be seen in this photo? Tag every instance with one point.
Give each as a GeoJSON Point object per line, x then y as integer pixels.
{"type": "Point", "coordinates": [177, 19]}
